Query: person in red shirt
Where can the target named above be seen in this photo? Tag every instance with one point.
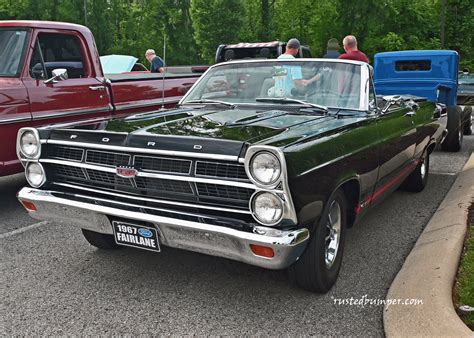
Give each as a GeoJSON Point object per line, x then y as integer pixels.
{"type": "Point", "coordinates": [352, 53]}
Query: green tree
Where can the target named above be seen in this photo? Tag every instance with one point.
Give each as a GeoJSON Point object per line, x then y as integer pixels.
{"type": "Point", "coordinates": [216, 22]}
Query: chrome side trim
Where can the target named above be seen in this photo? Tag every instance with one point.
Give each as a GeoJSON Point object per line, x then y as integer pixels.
{"type": "Point", "coordinates": [153, 200]}
{"type": "Point", "coordinates": [144, 151]}
{"type": "Point", "coordinates": [15, 119]}
{"type": "Point", "coordinates": [156, 175]}
{"type": "Point", "coordinates": [146, 104]}
{"type": "Point", "coordinates": [75, 112]}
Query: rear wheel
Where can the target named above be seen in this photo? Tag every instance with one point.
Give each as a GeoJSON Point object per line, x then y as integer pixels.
{"type": "Point", "coordinates": [417, 180]}
{"type": "Point", "coordinates": [318, 267]}
{"type": "Point", "coordinates": [453, 140]}
{"type": "Point", "coordinates": [101, 241]}
{"type": "Point", "coordinates": [467, 113]}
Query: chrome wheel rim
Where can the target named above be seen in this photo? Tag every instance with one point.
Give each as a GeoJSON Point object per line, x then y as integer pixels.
{"type": "Point", "coordinates": [423, 168]}
{"type": "Point", "coordinates": [333, 234]}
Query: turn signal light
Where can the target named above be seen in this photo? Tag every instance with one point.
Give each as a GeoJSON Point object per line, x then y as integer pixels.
{"type": "Point", "coordinates": [29, 205]}
{"type": "Point", "coordinates": [263, 251]}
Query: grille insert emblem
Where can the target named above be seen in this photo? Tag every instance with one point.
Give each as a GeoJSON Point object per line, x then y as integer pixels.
{"type": "Point", "coordinates": [126, 172]}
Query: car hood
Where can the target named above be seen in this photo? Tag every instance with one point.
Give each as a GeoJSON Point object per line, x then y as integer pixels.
{"type": "Point", "coordinates": [219, 131]}
{"type": "Point", "coordinates": [117, 64]}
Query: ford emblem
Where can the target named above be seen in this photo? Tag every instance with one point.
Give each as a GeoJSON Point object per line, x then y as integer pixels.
{"type": "Point", "coordinates": [145, 232]}
{"type": "Point", "coordinates": [126, 172]}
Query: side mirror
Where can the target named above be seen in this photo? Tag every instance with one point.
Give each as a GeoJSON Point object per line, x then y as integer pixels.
{"type": "Point", "coordinates": [390, 100]}
{"type": "Point", "coordinates": [413, 105]}
{"type": "Point", "coordinates": [59, 74]}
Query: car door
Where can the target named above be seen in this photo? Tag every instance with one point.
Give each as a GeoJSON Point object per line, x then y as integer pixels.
{"type": "Point", "coordinates": [398, 140]}
{"type": "Point", "coordinates": [80, 96]}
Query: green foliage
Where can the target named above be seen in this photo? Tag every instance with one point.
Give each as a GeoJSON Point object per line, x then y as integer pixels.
{"type": "Point", "coordinates": [193, 29]}
{"type": "Point", "coordinates": [216, 22]}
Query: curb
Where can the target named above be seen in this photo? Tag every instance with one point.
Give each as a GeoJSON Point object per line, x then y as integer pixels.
{"type": "Point", "coordinates": [430, 269]}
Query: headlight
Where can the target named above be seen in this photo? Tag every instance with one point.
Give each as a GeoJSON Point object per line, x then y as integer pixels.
{"type": "Point", "coordinates": [35, 174]}
{"type": "Point", "coordinates": [267, 208]}
{"type": "Point", "coordinates": [265, 168]}
{"type": "Point", "coordinates": [29, 144]}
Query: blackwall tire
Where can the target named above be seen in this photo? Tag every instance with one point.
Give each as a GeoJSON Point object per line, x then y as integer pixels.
{"type": "Point", "coordinates": [417, 180]}
{"type": "Point", "coordinates": [453, 141]}
{"type": "Point", "coordinates": [467, 113]}
{"type": "Point", "coordinates": [318, 268]}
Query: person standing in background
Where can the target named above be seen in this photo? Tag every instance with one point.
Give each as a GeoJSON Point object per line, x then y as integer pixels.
{"type": "Point", "coordinates": [332, 50]}
{"type": "Point", "coordinates": [157, 64]}
{"type": "Point", "coordinates": [352, 53]}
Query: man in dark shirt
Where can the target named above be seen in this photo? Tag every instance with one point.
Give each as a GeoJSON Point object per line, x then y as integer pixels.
{"type": "Point", "coordinates": [157, 64]}
{"type": "Point", "coordinates": [332, 51]}
{"type": "Point", "coordinates": [352, 53]}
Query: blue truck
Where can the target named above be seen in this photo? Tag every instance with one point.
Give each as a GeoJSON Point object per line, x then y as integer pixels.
{"type": "Point", "coordinates": [432, 74]}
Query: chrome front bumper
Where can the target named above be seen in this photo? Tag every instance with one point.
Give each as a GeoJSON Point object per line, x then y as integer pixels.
{"type": "Point", "coordinates": [205, 238]}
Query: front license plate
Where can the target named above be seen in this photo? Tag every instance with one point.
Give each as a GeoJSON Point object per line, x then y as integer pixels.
{"type": "Point", "coordinates": [136, 236]}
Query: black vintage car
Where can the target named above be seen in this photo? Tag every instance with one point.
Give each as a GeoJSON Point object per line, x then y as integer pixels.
{"type": "Point", "coordinates": [264, 162]}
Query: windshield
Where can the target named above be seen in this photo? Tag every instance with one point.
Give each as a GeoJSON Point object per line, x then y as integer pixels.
{"type": "Point", "coordinates": [325, 83]}
{"type": "Point", "coordinates": [466, 79]}
{"type": "Point", "coordinates": [12, 43]}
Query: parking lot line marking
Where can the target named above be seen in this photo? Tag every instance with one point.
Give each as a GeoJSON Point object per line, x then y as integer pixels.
{"type": "Point", "coordinates": [24, 229]}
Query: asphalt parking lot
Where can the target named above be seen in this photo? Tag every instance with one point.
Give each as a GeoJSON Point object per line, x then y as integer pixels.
{"type": "Point", "coordinates": [54, 283]}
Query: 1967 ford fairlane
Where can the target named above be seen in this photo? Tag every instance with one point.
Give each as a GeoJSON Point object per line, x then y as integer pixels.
{"type": "Point", "coordinates": [264, 162]}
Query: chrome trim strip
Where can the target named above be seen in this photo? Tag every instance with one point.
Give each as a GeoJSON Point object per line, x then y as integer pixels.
{"type": "Point", "coordinates": [161, 176]}
{"type": "Point", "coordinates": [153, 200]}
{"type": "Point", "coordinates": [146, 104]}
{"type": "Point", "coordinates": [92, 131]}
{"type": "Point", "coordinates": [72, 113]}
{"type": "Point", "coordinates": [145, 151]}
{"type": "Point", "coordinates": [165, 158]}
{"type": "Point", "coordinates": [15, 120]}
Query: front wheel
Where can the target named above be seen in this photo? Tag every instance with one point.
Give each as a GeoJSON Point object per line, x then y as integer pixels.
{"type": "Point", "coordinates": [318, 267]}
{"type": "Point", "coordinates": [101, 241]}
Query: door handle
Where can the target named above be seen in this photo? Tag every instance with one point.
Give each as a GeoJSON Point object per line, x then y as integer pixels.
{"type": "Point", "coordinates": [97, 88]}
{"type": "Point", "coordinates": [410, 114]}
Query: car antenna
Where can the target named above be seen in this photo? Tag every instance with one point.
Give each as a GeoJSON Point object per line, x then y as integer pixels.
{"type": "Point", "coordinates": [163, 74]}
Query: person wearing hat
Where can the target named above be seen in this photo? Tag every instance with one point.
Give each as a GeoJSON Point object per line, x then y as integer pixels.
{"type": "Point", "coordinates": [332, 50]}
{"type": "Point", "coordinates": [157, 64]}
{"type": "Point", "coordinates": [294, 77]}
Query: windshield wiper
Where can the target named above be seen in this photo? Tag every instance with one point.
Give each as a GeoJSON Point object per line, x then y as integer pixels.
{"type": "Point", "coordinates": [227, 104]}
{"type": "Point", "coordinates": [288, 100]}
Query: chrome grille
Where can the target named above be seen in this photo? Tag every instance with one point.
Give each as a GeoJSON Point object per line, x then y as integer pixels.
{"type": "Point", "coordinates": [107, 158]}
{"type": "Point", "coordinates": [161, 164]}
{"type": "Point", "coordinates": [108, 178]}
{"type": "Point", "coordinates": [221, 170]}
{"type": "Point", "coordinates": [68, 171]}
{"type": "Point", "coordinates": [224, 191]}
{"type": "Point", "coordinates": [157, 184]}
{"type": "Point", "coordinates": [163, 187]}
{"type": "Point", "coordinates": [65, 153]}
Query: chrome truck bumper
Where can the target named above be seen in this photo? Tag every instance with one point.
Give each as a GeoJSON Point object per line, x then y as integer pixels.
{"type": "Point", "coordinates": [205, 238]}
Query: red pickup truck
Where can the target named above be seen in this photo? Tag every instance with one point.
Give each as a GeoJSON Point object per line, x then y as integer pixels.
{"type": "Point", "coordinates": [50, 73]}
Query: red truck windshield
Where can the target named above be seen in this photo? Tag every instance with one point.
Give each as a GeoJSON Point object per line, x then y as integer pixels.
{"type": "Point", "coordinates": [12, 44]}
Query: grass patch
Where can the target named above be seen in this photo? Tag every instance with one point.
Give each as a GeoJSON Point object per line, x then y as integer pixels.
{"type": "Point", "coordinates": [464, 289]}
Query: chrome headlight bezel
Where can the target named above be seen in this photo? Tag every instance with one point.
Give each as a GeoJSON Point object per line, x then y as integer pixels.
{"type": "Point", "coordinates": [255, 215]}
{"type": "Point", "coordinates": [22, 155]}
{"type": "Point", "coordinates": [42, 172]}
{"type": "Point", "coordinates": [252, 154]}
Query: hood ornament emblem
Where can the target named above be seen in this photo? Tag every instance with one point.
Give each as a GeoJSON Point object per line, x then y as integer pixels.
{"type": "Point", "coordinates": [126, 172]}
